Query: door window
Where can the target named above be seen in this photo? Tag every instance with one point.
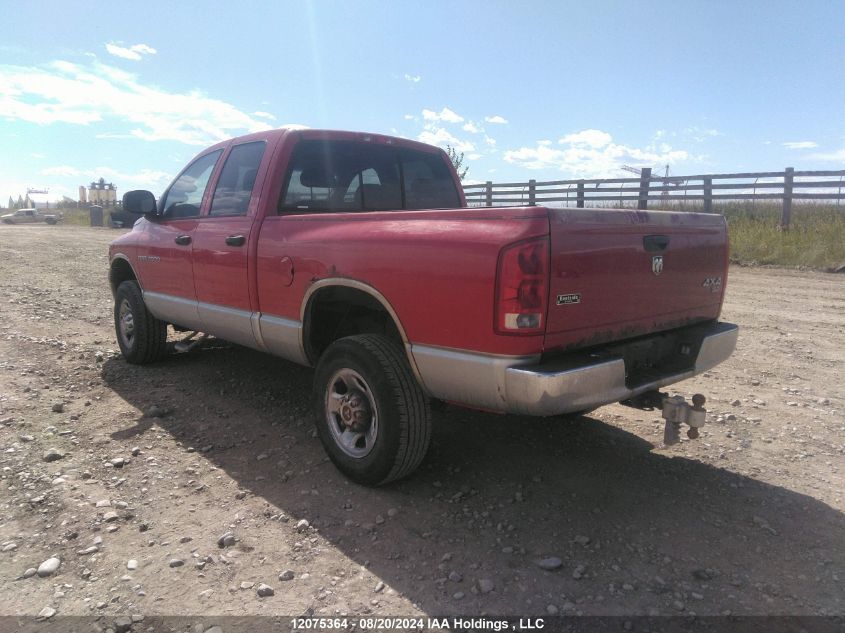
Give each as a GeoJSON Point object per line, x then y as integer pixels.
{"type": "Point", "coordinates": [234, 187]}
{"type": "Point", "coordinates": [184, 199]}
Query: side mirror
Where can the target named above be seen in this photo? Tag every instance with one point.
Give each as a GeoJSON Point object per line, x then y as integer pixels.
{"type": "Point", "coordinates": [139, 202]}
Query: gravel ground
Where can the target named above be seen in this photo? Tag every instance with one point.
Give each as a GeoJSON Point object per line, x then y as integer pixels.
{"type": "Point", "coordinates": [197, 485]}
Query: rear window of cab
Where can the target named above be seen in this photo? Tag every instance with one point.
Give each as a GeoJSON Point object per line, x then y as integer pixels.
{"type": "Point", "coordinates": [351, 176]}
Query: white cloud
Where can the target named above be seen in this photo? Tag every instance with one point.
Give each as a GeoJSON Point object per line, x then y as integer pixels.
{"type": "Point", "coordinates": [113, 135]}
{"type": "Point", "coordinates": [470, 127]}
{"type": "Point", "coordinates": [590, 138]}
{"type": "Point", "coordinates": [496, 119]}
{"type": "Point", "coordinates": [699, 135]}
{"type": "Point", "coordinates": [145, 179]}
{"type": "Point", "coordinates": [62, 92]}
{"type": "Point", "coordinates": [414, 79]}
{"type": "Point", "coordinates": [800, 144]}
{"type": "Point", "coordinates": [835, 157]}
{"type": "Point", "coordinates": [134, 52]}
{"type": "Point", "coordinates": [445, 115]}
{"type": "Point", "coordinates": [442, 137]}
{"type": "Point", "coordinates": [60, 170]}
{"type": "Point", "coordinates": [591, 154]}
{"type": "Point", "coordinates": [264, 115]}
{"type": "Point", "coordinates": [143, 48]}
{"type": "Point", "coordinates": [435, 134]}
{"type": "Point", "coordinates": [409, 117]}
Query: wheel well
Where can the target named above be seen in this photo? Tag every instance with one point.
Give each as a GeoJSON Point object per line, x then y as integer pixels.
{"type": "Point", "coordinates": [338, 311]}
{"type": "Point", "coordinates": [119, 272]}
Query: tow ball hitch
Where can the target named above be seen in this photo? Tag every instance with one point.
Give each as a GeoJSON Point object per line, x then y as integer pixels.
{"type": "Point", "coordinates": [676, 411]}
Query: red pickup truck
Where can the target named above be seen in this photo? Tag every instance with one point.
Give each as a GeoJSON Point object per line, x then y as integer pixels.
{"type": "Point", "coordinates": [356, 254]}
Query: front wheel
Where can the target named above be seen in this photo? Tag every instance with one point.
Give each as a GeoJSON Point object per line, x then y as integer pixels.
{"type": "Point", "coordinates": [371, 414]}
{"type": "Point", "coordinates": [142, 337]}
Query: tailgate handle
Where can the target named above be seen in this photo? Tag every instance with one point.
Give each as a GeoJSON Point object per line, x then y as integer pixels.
{"type": "Point", "coordinates": [654, 243]}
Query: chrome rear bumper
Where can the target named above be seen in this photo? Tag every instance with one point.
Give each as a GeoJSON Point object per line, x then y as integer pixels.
{"type": "Point", "coordinates": [573, 383]}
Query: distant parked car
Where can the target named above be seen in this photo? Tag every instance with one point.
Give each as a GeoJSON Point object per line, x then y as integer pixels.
{"type": "Point", "coordinates": [28, 216]}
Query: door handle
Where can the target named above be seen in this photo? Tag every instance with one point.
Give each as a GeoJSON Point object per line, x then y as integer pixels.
{"type": "Point", "coordinates": [235, 240]}
{"type": "Point", "coordinates": [183, 240]}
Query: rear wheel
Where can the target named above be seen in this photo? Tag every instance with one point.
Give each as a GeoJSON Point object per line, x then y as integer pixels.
{"type": "Point", "coordinates": [371, 415]}
{"type": "Point", "coordinates": [142, 337]}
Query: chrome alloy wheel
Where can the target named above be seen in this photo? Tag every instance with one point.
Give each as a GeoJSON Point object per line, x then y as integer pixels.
{"type": "Point", "coordinates": [351, 413]}
{"type": "Point", "coordinates": [126, 323]}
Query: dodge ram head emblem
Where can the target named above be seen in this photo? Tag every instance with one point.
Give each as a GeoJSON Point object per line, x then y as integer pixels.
{"type": "Point", "coordinates": [657, 264]}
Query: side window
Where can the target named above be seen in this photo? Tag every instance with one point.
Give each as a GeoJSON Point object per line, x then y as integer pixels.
{"type": "Point", "coordinates": [234, 187]}
{"type": "Point", "coordinates": [184, 199]}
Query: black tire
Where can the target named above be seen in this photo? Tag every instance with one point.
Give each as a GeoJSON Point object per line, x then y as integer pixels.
{"type": "Point", "coordinates": [399, 431]}
{"type": "Point", "coordinates": [147, 341]}
{"type": "Point", "coordinates": [51, 220]}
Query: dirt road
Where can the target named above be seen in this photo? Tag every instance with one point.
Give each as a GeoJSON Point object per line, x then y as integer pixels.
{"type": "Point", "coordinates": [746, 520]}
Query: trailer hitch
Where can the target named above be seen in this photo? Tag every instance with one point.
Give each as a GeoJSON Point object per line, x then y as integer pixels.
{"type": "Point", "coordinates": [676, 411]}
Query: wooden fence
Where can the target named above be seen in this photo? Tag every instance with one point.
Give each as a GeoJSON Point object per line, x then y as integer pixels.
{"type": "Point", "coordinates": [664, 191]}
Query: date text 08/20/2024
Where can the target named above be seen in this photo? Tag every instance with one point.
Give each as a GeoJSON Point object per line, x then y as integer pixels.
{"type": "Point", "coordinates": [416, 623]}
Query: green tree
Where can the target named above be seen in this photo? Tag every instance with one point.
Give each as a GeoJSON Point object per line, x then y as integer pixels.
{"type": "Point", "coordinates": [457, 161]}
{"type": "Point", "coordinates": [19, 203]}
{"type": "Point", "coordinates": [11, 203]}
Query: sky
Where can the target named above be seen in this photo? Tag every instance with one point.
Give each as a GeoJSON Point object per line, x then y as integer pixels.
{"type": "Point", "coordinates": [130, 92]}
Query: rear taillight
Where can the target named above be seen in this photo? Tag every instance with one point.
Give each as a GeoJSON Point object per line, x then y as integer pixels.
{"type": "Point", "coordinates": [522, 287]}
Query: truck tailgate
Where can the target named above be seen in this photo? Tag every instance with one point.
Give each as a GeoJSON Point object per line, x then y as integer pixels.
{"type": "Point", "coordinates": [618, 274]}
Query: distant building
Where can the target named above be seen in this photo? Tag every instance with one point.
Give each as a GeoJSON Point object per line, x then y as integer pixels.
{"type": "Point", "coordinates": [100, 192]}
{"type": "Point", "coordinates": [83, 194]}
